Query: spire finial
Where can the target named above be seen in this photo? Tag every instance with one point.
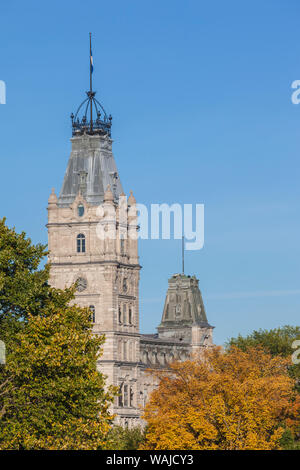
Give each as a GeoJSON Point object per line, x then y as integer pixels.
{"type": "Point", "coordinates": [82, 121]}
{"type": "Point", "coordinates": [108, 195]}
{"type": "Point", "coordinates": [91, 84]}
{"type": "Point", "coordinates": [131, 199]}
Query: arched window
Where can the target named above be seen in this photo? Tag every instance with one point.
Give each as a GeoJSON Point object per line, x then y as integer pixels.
{"type": "Point", "coordinates": [125, 395]}
{"type": "Point", "coordinates": [80, 210]}
{"type": "Point", "coordinates": [93, 311]}
{"type": "Point", "coordinates": [80, 243]}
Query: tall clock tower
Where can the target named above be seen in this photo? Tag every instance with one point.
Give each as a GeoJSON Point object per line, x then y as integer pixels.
{"type": "Point", "coordinates": [91, 204]}
{"type": "Point", "coordinates": [92, 232]}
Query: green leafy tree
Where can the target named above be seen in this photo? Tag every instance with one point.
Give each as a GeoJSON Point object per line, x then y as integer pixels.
{"type": "Point", "coordinates": [120, 438]}
{"type": "Point", "coordinates": [24, 287]}
{"type": "Point", "coordinates": [51, 394]}
{"type": "Point", "coordinates": [277, 342]}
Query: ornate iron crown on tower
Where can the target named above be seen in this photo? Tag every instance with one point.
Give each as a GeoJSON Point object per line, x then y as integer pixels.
{"type": "Point", "coordinates": [91, 118]}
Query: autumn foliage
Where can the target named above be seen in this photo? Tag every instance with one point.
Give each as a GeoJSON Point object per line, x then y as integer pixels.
{"type": "Point", "coordinates": [237, 400]}
{"type": "Point", "coordinates": [51, 394]}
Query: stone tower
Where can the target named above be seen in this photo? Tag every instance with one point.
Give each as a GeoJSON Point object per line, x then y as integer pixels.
{"type": "Point", "coordinates": [92, 233]}
{"type": "Point", "coordinates": [106, 268]}
{"type": "Point", "coordinates": [184, 314]}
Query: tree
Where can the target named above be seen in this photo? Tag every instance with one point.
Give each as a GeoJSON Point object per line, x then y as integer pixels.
{"type": "Point", "coordinates": [222, 401]}
{"type": "Point", "coordinates": [51, 394]}
{"type": "Point", "coordinates": [24, 287]}
{"type": "Point", "coordinates": [278, 342]}
{"type": "Point", "coordinates": [120, 438]}
{"type": "Point", "coordinates": [58, 399]}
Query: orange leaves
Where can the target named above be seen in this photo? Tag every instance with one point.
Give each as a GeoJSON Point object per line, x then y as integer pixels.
{"type": "Point", "coordinates": [223, 401]}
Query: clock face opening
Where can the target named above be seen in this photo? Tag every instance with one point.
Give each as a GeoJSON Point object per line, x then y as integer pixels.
{"type": "Point", "coordinates": [81, 284]}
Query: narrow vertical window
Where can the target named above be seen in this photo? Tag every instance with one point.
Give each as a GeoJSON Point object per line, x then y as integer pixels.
{"type": "Point", "coordinates": [80, 243]}
{"type": "Point", "coordinates": [122, 244]}
{"type": "Point", "coordinates": [130, 316]}
{"type": "Point", "coordinates": [131, 397]}
{"type": "Point", "coordinates": [124, 314]}
{"type": "Point", "coordinates": [93, 311]}
{"type": "Point", "coordinates": [164, 359]}
{"type": "Point", "coordinates": [125, 395]}
{"type": "Point", "coordinates": [121, 396]}
{"type": "Point", "coordinates": [130, 351]}
{"type": "Point", "coordinates": [125, 351]}
{"type": "Point", "coordinates": [80, 210]}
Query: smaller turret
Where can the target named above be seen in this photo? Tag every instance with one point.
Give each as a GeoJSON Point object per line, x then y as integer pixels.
{"type": "Point", "coordinates": [52, 201]}
{"type": "Point", "coordinates": [108, 195]}
{"type": "Point", "coordinates": [184, 309]}
{"type": "Point", "coordinates": [131, 199]}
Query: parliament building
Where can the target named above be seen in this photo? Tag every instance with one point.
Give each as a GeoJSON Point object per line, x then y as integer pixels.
{"type": "Point", "coordinates": [107, 270]}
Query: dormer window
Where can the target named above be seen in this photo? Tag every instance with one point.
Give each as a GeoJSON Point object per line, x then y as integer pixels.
{"type": "Point", "coordinates": [80, 210]}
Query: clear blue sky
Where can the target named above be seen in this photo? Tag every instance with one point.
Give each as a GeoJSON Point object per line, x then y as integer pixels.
{"type": "Point", "coordinates": [200, 92]}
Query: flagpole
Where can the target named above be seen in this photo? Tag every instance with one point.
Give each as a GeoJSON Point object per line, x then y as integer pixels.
{"type": "Point", "coordinates": [91, 85]}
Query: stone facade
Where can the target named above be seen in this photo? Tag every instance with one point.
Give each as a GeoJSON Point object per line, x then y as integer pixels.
{"type": "Point", "coordinates": [107, 273]}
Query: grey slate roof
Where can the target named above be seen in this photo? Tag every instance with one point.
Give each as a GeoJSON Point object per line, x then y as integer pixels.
{"type": "Point", "coordinates": [184, 304]}
{"type": "Point", "coordinates": [91, 168]}
{"type": "Point", "coordinates": [154, 339]}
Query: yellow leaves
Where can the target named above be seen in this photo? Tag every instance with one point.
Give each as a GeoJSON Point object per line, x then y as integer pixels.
{"type": "Point", "coordinates": [60, 399]}
{"type": "Point", "coordinates": [224, 401]}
